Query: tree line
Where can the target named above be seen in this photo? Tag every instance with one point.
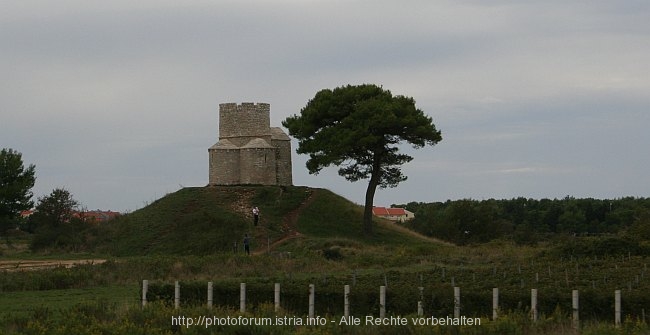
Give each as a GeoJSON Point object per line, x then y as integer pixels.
{"type": "Point", "coordinates": [53, 223]}
{"type": "Point", "coordinates": [528, 221]}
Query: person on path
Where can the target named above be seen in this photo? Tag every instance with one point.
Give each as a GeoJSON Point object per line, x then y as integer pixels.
{"type": "Point", "coordinates": [256, 215]}
{"type": "Point", "coordinates": [247, 247]}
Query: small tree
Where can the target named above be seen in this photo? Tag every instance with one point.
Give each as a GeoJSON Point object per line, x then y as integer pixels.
{"type": "Point", "coordinates": [54, 223]}
{"type": "Point", "coordinates": [16, 183]}
{"type": "Point", "coordinates": [359, 128]}
{"type": "Point", "coordinates": [55, 209]}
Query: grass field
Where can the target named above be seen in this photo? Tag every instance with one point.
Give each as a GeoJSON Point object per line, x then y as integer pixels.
{"type": "Point", "coordinates": [314, 237]}
{"type": "Point", "coordinates": [98, 306]}
{"type": "Point", "coordinates": [23, 303]}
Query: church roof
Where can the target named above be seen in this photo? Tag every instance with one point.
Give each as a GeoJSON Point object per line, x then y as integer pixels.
{"type": "Point", "coordinates": [257, 143]}
{"type": "Point", "coordinates": [278, 134]}
{"type": "Point", "coordinates": [223, 144]}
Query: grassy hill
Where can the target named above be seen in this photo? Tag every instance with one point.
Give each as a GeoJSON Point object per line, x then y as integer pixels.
{"type": "Point", "coordinates": [187, 236]}
{"type": "Point", "coordinates": [207, 220]}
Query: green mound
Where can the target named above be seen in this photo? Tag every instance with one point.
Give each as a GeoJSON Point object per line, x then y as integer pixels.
{"type": "Point", "coordinates": [208, 220]}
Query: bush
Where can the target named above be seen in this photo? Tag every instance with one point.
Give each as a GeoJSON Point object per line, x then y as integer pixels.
{"type": "Point", "coordinates": [332, 253]}
{"type": "Point", "coordinates": [600, 247]}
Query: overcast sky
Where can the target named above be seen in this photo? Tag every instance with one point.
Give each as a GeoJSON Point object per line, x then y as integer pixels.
{"type": "Point", "coordinates": [117, 101]}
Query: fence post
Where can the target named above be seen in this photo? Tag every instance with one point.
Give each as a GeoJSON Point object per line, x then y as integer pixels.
{"type": "Point", "coordinates": [346, 300]}
{"type": "Point", "coordinates": [533, 304]}
{"type": "Point", "coordinates": [421, 301]}
{"type": "Point", "coordinates": [210, 294]}
{"type": "Point", "coordinates": [177, 295]}
{"type": "Point", "coordinates": [145, 288]}
{"type": "Point", "coordinates": [457, 302]}
{"type": "Point", "coordinates": [382, 301]}
{"type": "Point", "coordinates": [576, 309]}
{"type": "Point", "coordinates": [495, 303]}
{"type": "Point", "coordinates": [312, 291]}
{"type": "Point", "coordinates": [617, 308]}
{"type": "Point", "coordinates": [277, 297]}
{"type": "Point", "coordinates": [242, 297]}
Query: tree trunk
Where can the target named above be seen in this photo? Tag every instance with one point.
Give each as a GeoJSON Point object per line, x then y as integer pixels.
{"type": "Point", "coordinates": [370, 197]}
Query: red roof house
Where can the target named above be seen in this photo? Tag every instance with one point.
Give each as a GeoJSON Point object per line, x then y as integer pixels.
{"type": "Point", "coordinates": [394, 214]}
{"type": "Point", "coordinates": [97, 215]}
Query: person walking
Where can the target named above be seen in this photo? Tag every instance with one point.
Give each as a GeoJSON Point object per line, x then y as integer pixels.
{"type": "Point", "coordinates": [247, 246]}
{"type": "Point", "coordinates": [256, 215]}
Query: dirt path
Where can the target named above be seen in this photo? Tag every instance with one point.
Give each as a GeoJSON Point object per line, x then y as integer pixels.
{"type": "Point", "coordinates": [289, 225]}
{"type": "Point", "coordinates": [243, 204]}
{"type": "Point", "coordinates": [25, 265]}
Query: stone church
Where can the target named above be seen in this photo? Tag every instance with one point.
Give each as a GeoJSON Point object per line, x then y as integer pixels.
{"type": "Point", "coordinates": [249, 150]}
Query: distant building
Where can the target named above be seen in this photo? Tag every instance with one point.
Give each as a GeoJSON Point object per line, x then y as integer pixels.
{"type": "Point", "coordinates": [27, 213]}
{"type": "Point", "coordinates": [88, 216]}
{"type": "Point", "coordinates": [97, 215]}
{"type": "Point", "coordinates": [393, 214]}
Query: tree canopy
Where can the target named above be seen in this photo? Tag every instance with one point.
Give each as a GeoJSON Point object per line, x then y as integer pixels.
{"type": "Point", "coordinates": [55, 209]}
{"type": "Point", "coordinates": [359, 129]}
{"type": "Point", "coordinates": [55, 224]}
{"type": "Point", "coordinates": [528, 221]}
{"type": "Point", "coordinates": [16, 184]}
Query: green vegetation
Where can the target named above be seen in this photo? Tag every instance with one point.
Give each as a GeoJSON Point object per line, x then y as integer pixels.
{"type": "Point", "coordinates": [55, 224]}
{"type": "Point", "coordinates": [200, 221]}
{"type": "Point", "coordinates": [99, 318]}
{"type": "Point", "coordinates": [16, 184]}
{"type": "Point", "coordinates": [529, 221]}
{"type": "Point", "coordinates": [334, 217]}
{"type": "Point", "coordinates": [215, 218]}
{"type": "Point", "coordinates": [314, 237]}
{"type": "Point", "coordinates": [25, 303]}
{"type": "Point", "coordinates": [106, 297]}
{"type": "Point", "coordinates": [476, 283]}
{"type": "Point", "coordinates": [359, 129]}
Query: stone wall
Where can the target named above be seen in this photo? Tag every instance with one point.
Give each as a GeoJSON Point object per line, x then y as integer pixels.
{"type": "Point", "coordinates": [245, 121]}
{"type": "Point", "coordinates": [223, 164]}
{"type": "Point", "coordinates": [281, 141]}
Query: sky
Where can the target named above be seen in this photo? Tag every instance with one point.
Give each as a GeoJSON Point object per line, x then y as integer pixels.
{"type": "Point", "coordinates": [117, 101]}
